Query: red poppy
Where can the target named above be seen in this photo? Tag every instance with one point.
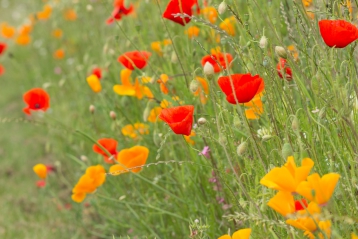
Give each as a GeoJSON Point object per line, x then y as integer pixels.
{"type": "Point", "coordinates": [110, 145]}
{"type": "Point", "coordinates": [98, 72]}
{"type": "Point", "coordinates": [245, 87]}
{"type": "Point", "coordinates": [2, 70]}
{"type": "Point", "coordinates": [118, 11]}
{"type": "Point", "coordinates": [41, 183]}
{"type": "Point", "coordinates": [179, 119]}
{"type": "Point", "coordinates": [338, 33]}
{"type": "Point", "coordinates": [217, 58]}
{"type": "Point", "coordinates": [2, 47]}
{"type": "Point", "coordinates": [180, 6]}
{"type": "Point", "coordinates": [299, 205]}
{"type": "Point", "coordinates": [134, 59]}
{"type": "Point", "coordinates": [36, 99]}
{"type": "Point", "coordinates": [281, 67]}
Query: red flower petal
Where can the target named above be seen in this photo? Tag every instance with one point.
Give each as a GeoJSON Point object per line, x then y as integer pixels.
{"type": "Point", "coordinates": [2, 47]}
{"type": "Point", "coordinates": [36, 99]}
{"type": "Point", "coordinates": [134, 59]}
{"type": "Point", "coordinates": [2, 70]}
{"type": "Point", "coordinates": [179, 6]}
{"type": "Point", "coordinates": [220, 58]}
{"type": "Point", "coordinates": [338, 33]}
{"type": "Point", "coordinates": [244, 85]}
{"type": "Point", "coordinates": [98, 72]}
{"type": "Point", "coordinates": [179, 119]}
{"type": "Point", "coordinates": [282, 65]}
{"type": "Point", "coordinates": [109, 144]}
{"type": "Point", "coordinates": [298, 204]}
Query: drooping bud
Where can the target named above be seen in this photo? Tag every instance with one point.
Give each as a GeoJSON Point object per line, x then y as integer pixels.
{"type": "Point", "coordinates": [208, 69]}
{"type": "Point", "coordinates": [92, 109]}
{"type": "Point", "coordinates": [83, 158]}
{"type": "Point", "coordinates": [194, 86]}
{"type": "Point", "coordinates": [281, 52]}
{"type": "Point", "coordinates": [287, 150]}
{"type": "Point", "coordinates": [242, 148]}
{"type": "Point", "coordinates": [263, 42]}
{"type": "Point", "coordinates": [295, 124]}
{"type": "Point", "coordinates": [222, 7]}
{"type": "Point", "coordinates": [113, 115]}
{"type": "Point", "coordinates": [201, 121]}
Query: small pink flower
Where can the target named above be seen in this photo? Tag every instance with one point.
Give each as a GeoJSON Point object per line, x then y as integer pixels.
{"type": "Point", "coordinates": [205, 152]}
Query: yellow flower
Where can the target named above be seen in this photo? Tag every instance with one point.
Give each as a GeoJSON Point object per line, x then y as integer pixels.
{"type": "Point", "coordinates": [282, 203]}
{"type": "Point", "coordinates": [289, 176]}
{"type": "Point", "coordinates": [7, 31]}
{"type": "Point", "coordinates": [133, 130]}
{"type": "Point", "coordinates": [40, 170]}
{"type": "Point", "coordinates": [94, 83]}
{"type": "Point", "coordinates": [210, 14]}
{"type": "Point", "coordinates": [240, 234]}
{"type": "Point", "coordinates": [165, 104]}
{"type": "Point", "coordinates": [192, 32]}
{"type": "Point", "coordinates": [354, 236]}
{"type": "Point", "coordinates": [292, 49]}
{"type": "Point", "coordinates": [134, 157]}
{"type": "Point", "coordinates": [23, 39]}
{"type": "Point", "coordinates": [203, 90]}
{"type": "Point", "coordinates": [188, 138]}
{"type": "Point", "coordinates": [255, 108]}
{"type": "Point", "coordinates": [318, 189]}
{"type": "Point", "coordinates": [57, 33]}
{"type": "Point", "coordinates": [157, 46]}
{"type": "Point", "coordinates": [154, 113]}
{"type": "Point", "coordinates": [228, 25]}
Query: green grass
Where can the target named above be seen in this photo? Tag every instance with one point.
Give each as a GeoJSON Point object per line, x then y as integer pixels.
{"type": "Point", "coordinates": [165, 199]}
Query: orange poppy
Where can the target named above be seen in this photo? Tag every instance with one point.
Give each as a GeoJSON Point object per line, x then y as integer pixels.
{"type": "Point", "coordinates": [163, 83]}
{"type": "Point", "coordinates": [70, 15]}
{"type": "Point", "coordinates": [282, 67]}
{"type": "Point", "coordinates": [59, 54]}
{"type": "Point", "coordinates": [217, 60]}
{"type": "Point", "coordinates": [338, 33]}
{"type": "Point", "coordinates": [45, 13]}
{"type": "Point", "coordinates": [210, 13]}
{"type": "Point", "coordinates": [7, 31]}
{"type": "Point", "coordinates": [110, 145]}
{"type": "Point", "coordinates": [134, 59]}
{"type": "Point", "coordinates": [192, 32]}
{"type": "Point", "coordinates": [228, 26]}
{"type": "Point", "coordinates": [179, 119]}
{"type": "Point", "coordinates": [40, 170]}
{"type": "Point", "coordinates": [203, 90]}
{"type": "Point", "coordinates": [154, 113]}
{"type": "Point", "coordinates": [36, 99]}
{"type": "Point", "coordinates": [134, 158]}
{"type": "Point", "coordinates": [57, 33]}
{"type": "Point", "coordinates": [3, 47]}
{"type": "Point", "coordinates": [245, 87]}
{"type": "Point", "coordinates": [23, 39]}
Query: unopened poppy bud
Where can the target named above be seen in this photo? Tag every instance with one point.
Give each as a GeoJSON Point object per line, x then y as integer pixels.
{"type": "Point", "coordinates": [194, 86]}
{"type": "Point", "coordinates": [92, 109]}
{"type": "Point", "coordinates": [201, 121]}
{"type": "Point", "coordinates": [222, 7]}
{"type": "Point", "coordinates": [174, 58]}
{"type": "Point", "coordinates": [263, 42]}
{"type": "Point", "coordinates": [266, 137]}
{"type": "Point", "coordinates": [113, 115]}
{"type": "Point", "coordinates": [208, 69]}
{"type": "Point", "coordinates": [83, 158]}
{"type": "Point", "coordinates": [146, 114]}
{"type": "Point", "coordinates": [242, 148]}
{"type": "Point", "coordinates": [89, 7]}
{"type": "Point", "coordinates": [295, 124]}
{"type": "Point", "coordinates": [281, 52]}
{"type": "Point", "coordinates": [287, 150]}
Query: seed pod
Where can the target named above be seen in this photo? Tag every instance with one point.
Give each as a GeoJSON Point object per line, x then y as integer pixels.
{"type": "Point", "coordinates": [201, 121]}
{"type": "Point", "coordinates": [222, 8]}
{"type": "Point", "coordinates": [241, 149]}
{"type": "Point", "coordinates": [194, 86]}
{"type": "Point", "coordinates": [295, 124]}
{"type": "Point", "coordinates": [287, 150]}
{"type": "Point", "coordinates": [281, 52]}
{"type": "Point", "coordinates": [92, 109]}
{"type": "Point", "coordinates": [113, 115]}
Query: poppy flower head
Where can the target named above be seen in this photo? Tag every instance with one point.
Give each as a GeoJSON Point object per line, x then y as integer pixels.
{"type": "Point", "coordinates": [134, 158]}
{"type": "Point", "coordinates": [98, 72]}
{"type": "Point", "coordinates": [282, 67]}
{"type": "Point", "coordinates": [300, 205]}
{"type": "Point", "coordinates": [2, 70]}
{"type": "Point", "coordinates": [118, 11]}
{"type": "Point", "coordinates": [245, 87]}
{"type": "Point", "coordinates": [179, 119]}
{"type": "Point", "coordinates": [134, 59]}
{"type": "Point", "coordinates": [36, 99]}
{"type": "Point", "coordinates": [179, 6]}
{"type": "Point", "coordinates": [110, 145]}
{"type": "Point", "coordinates": [2, 47]}
{"type": "Point", "coordinates": [338, 33]}
{"type": "Point", "coordinates": [218, 61]}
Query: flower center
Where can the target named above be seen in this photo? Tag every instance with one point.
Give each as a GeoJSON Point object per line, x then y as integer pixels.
{"type": "Point", "coordinates": [37, 106]}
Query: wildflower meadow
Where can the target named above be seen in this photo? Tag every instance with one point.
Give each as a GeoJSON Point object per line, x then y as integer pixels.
{"type": "Point", "coordinates": [179, 119]}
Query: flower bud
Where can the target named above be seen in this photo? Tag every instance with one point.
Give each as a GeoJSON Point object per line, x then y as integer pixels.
{"type": "Point", "coordinates": [113, 115]}
{"type": "Point", "coordinates": [208, 69]}
{"type": "Point", "coordinates": [263, 42]}
{"type": "Point", "coordinates": [146, 114]}
{"type": "Point", "coordinates": [222, 7]}
{"type": "Point", "coordinates": [287, 150]}
{"type": "Point", "coordinates": [92, 109]}
{"type": "Point", "coordinates": [83, 158]}
{"type": "Point", "coordinates": [266, 137]}
{"type": "Point", "coordinates": [89, 7]}
{"type": "Point", "coordinates": [281, 52]}
{"type": "Point", "coordinates": [202, 121]}
{"type": "Point", "coordinates": [295, 124]}
{"type": "Point", "coordinates": [194, 86]}
{"type": "Point", "coordinates": [174, 58]}
{"type": "Point", "coordinates": [242, 148]}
